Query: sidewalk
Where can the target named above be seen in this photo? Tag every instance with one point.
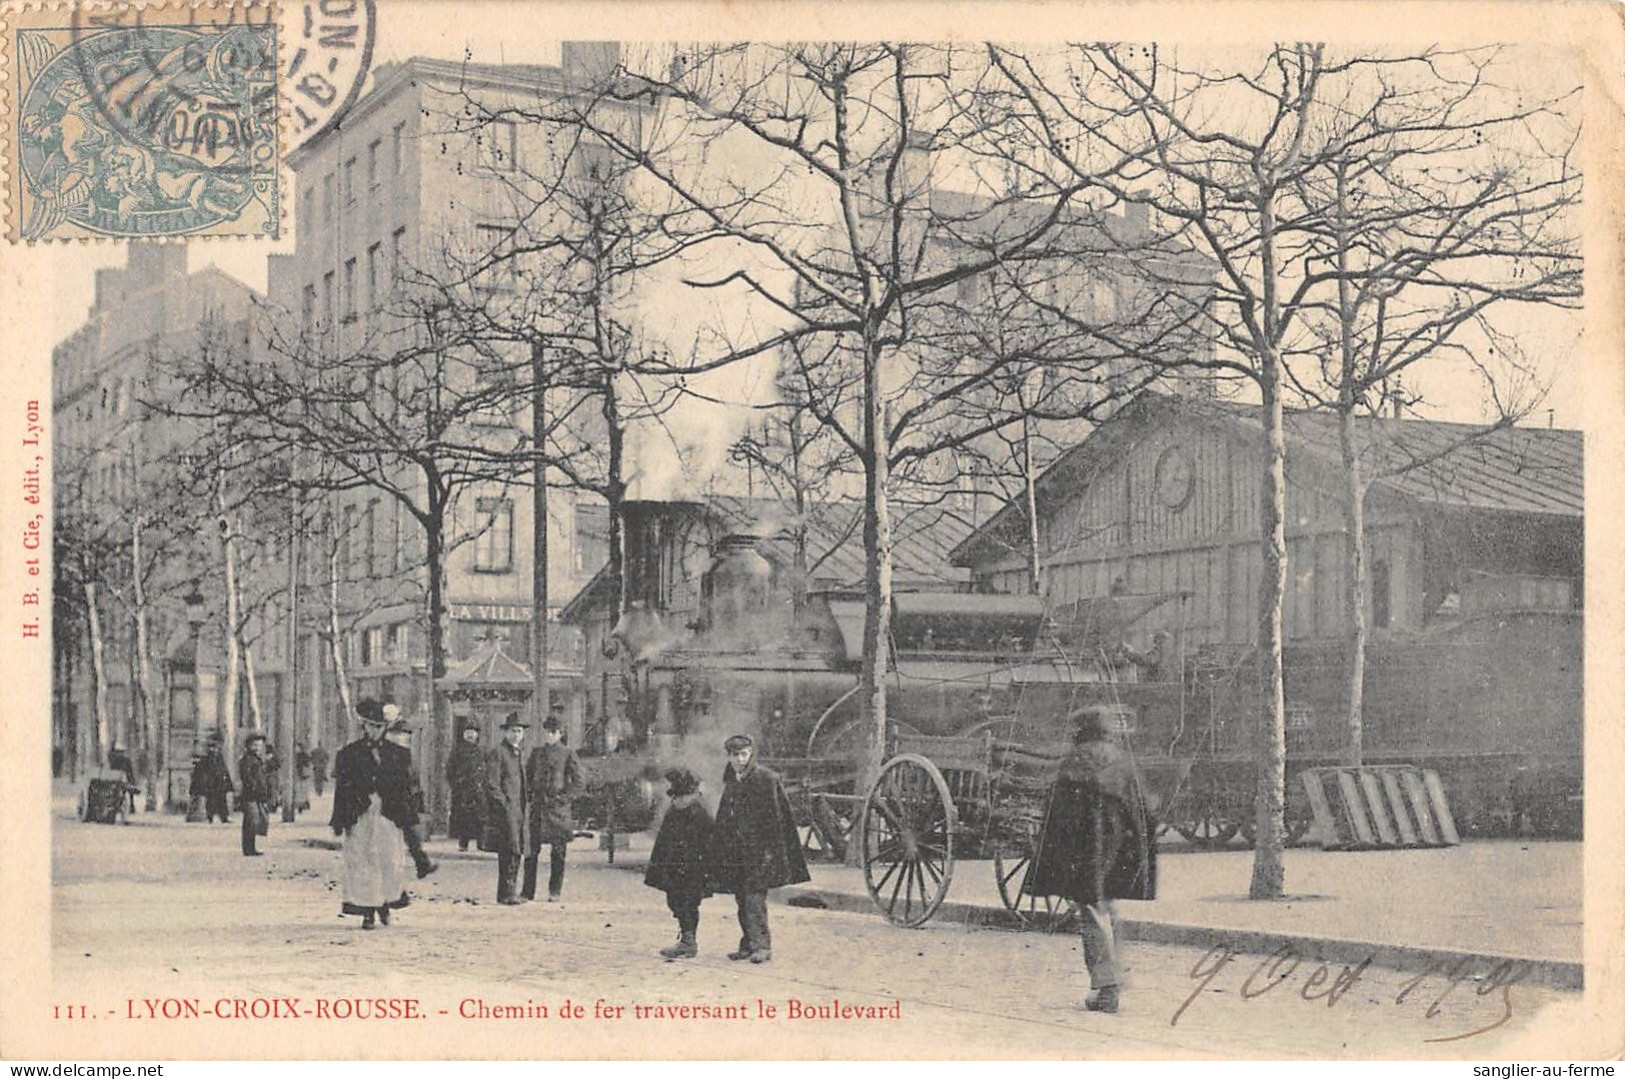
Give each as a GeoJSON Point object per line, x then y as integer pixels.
{"type": "Point", "coordinates": [1406, 910]}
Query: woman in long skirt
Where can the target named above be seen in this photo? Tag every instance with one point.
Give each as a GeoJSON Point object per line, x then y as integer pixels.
{"type": "Point", "coordinates": [372, 807]}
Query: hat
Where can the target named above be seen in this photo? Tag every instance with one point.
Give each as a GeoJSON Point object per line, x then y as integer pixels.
{"type": "Point", "coordinates": [254, 737]}
{"type": "Point", "coordinates": [682, 781]}
{"type": "Point", "coordinates": [370, 711]}
{"type": "Point", "coordinates": [1093, 721]}
{"type": "Point", "coordinates": [514, 720]}
{"type": "Point", "coordinates": [736, 743]}
{"type": "Point", "coordinates": [400, 726]}
{"type": "Point", "coordinates": [551, 723]}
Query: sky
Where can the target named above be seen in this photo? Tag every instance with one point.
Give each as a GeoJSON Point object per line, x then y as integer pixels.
{"type": "Point", "coordinates": [486, 32]}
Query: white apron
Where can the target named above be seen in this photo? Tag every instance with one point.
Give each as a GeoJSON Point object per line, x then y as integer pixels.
{"type": "Point", "coordinates": [373, 876]}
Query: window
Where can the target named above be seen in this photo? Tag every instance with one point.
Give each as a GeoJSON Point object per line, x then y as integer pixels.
{"type": "Point", "coordinates": [347, 182]}
{"type": "Point", "coordinates": [347, 542]}
{"type": "Point", "coordinates": [327, 199]}
{"type": "Point", "coordinates": [369, 538]}
{"type": "Point", "coordinates": [491, 248]}
{"type": "Point", "coordinates": [493, 548]}
{"type": "Point", "coordinates": [349, 290]}
{"type": "Point", "coordinates": [397, 154]}
{"type": "Point", "coordinates": [593, 161]}
{"type": "Point", "coordinates": [591, 547]}
{"type": "Point", "coordinates": [307, 306]}
{"type": "Point", "coordinates": [327, 298]}
{"type": "Point", "coordinates": [1381, 604]}
{"type": "Point", "coordinates": [397, 242]}
{"type": "Point", "coordinates": [397, 548]}
{"type": "Point", "coordinates": [968, 290]}
{"type": "Point", "coordinates": [494, 145]}
{"type": "Point", "coordinates": [372, 276]}
{"type": "Point", "coordinates": [307, 207]}
{"type": "Point", "coordinates": [372, 163]}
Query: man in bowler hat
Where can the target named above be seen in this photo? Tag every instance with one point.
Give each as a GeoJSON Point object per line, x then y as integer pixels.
{"type": "Point", "coordinates": [756, 847]}
{"type": "Point", "coordinates": [507, 818]}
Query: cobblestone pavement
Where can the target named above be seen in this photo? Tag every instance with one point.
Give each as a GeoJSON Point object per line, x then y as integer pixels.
{"type": "Point", "coordinates": [161, 911]}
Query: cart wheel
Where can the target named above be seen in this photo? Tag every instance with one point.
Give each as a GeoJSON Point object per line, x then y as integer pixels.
{"type": "Point", "coordinates": [907, 837]}
{"type": "Point", "coordinates": [1205, 823]}
{"type": "Point", "coordinates": [1298, 819]}
{"type": "Point", "coordinates": [1010, 871]}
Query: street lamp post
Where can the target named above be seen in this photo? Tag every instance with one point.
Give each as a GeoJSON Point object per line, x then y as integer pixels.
{"type": "Point", "coordinates": [195, 614]}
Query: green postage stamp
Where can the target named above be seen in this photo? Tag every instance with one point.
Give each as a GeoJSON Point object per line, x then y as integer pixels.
{"type": "Point", "coordinates": [142, 122]}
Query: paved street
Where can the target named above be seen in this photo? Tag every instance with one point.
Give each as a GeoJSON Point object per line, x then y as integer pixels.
{"type": "Point", "coordinates": [161, 910]}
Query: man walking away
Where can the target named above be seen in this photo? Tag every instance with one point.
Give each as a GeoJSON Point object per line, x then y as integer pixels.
{"type": "Point", "coordinates": [556, 773]}
{"type": "Point", "coordinates": [215, 782]}
{"type": "Point", "coordinates": [679, 862]}
{"type": "Point", "coordinates": [757, 846]}
{"type": "Point", "coordinates": [1098, 844]}
{"type": "Point", "coordinates": [255, 798]}
{"type": "Point", "coordinates": [507, 819]}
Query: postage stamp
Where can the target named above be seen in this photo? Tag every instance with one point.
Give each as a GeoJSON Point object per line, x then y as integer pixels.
{"type": "Point", "coordinates": [143, 122]}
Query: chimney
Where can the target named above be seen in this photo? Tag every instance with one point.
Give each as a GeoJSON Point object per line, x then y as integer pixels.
{"type": "Point", "coordinates": [1137, 215]}
{"type": "Point", "coordinates": [589, 62]}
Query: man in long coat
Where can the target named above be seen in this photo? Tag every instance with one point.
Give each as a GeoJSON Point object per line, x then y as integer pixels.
{"type": "Point", "coordinates": [318, 770]}
{"type": "Point", "coordinates": [372, 807]}
{"type": "Point", "coordinates": [212, 781]}
{"type": "Point", "coordinates": [757, 846]}
{"type": "Point", "coordinates": [465, 772]}
{"type": "Point", "coordinates": [556, 779]}
{"type": "Point", "coordinates": [254, 797]}
{"type": "Point", "coordinates": [507, 818]}
{"type": "Point", "coordinates": [1098, 844]}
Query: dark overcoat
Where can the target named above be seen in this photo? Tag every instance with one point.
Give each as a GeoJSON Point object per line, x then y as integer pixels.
{"type": "Point", "coordinates": [363, 768]}
{"type": "Point", "coordinates": [465, 771]}
{"type": "Point", "coordinates": [507, 800]}
{"type": "Point", "coordinates": [756, 846]}
{"type": "Point", "coordinates": [254, 794]}
{"type": "Point", "coordinates": [211, 780]}
{"type": "Point", "coordinates": [556, 779]}
{"type": "Point", "coordinates": [679, 863]}
{"type": "Point", "coordinates": [1098, 840]}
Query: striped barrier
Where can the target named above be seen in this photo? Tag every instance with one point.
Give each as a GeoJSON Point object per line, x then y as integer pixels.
{"type": "Point", "coordinates": [1379, 807]}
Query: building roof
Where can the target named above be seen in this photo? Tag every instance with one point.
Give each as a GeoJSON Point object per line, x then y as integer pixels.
{"type": "Point", "coordinates": [1452, 466]}
{"type": "Point", "coordinates": [489, 667]}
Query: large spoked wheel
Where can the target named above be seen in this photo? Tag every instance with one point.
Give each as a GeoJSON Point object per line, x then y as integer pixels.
{"type": "Point", "coordinates": [908, 827]}
{"type": "Point", "coordinates": [1012, 862]}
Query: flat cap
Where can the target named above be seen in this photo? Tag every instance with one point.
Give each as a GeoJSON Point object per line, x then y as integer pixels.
{"type": "Point", "coordinates": [737, 742]}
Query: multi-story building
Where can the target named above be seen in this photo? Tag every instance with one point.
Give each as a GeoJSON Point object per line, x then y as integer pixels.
{"type": "Point", "coordinates": [398, 208]}
{"type": "Point", "coordinates": [123, 557]}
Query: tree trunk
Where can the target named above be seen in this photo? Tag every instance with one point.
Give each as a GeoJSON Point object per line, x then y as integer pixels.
{"type": "Point", "coordinates": [877, 542]}
{"type": "Point", "coordinates": [1269, 871]}
{"type": "Point", "coordinates": [228, 702]}
{"type": "Point", "coordinates": [335, 640]}
{"type": "Point", "coordinates": [1354, 592]}
{"type": "Point", "coordinates": [1035, 568]}
{"type": "Point", "coordinates": [289, 717]}
{"type": "Point", "coordinates": [538, 524]}
{"type": "Point", "coordinates": [434, 557]}
{"type": "Point", "coordinates": [1353, 492]}
{"type": "Point", "coordinates": [615, 496]}
{"type": "Point", "coordinates": [153, 736]}
{"type": "Point", "coordinates": [98, 674]}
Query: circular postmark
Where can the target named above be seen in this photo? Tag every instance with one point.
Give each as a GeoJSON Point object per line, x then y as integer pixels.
{"type": "Point", "coordinates": [329, 49]}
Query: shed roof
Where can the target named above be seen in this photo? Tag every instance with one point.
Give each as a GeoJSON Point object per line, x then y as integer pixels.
{"type": "Point", "coordinates": [1459, 466]}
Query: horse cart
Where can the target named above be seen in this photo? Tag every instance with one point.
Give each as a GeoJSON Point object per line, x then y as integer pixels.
{"type": "Point", "coordinates": [974, 796]}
